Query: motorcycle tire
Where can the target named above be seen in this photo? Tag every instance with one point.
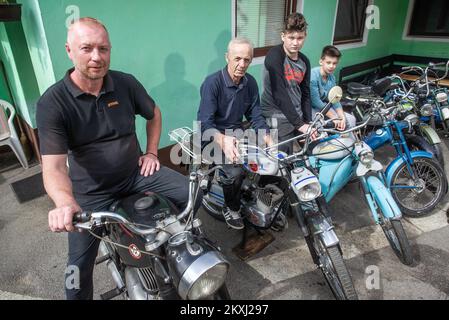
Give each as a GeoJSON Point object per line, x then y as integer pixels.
{"type": "Point", "coordinates": [433, 186]}
{"type": "Point", "coordinates": [417, 142]}
{"type": "Point", "coordinates": [398, 240]}
{"type": "Point", "coordinates": [333, 267]}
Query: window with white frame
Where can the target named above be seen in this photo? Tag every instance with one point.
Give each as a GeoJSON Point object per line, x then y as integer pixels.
{"type": "Point", "coordinates": [350, 21]}
{"type": "Point", "coordinates": [429, 18]}
{"type": "Point", "coordinates": [261, 21]}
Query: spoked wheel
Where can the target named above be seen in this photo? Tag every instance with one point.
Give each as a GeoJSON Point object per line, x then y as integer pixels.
{"type": "Point", "coordinates": [334, 269]}
{"type": "Point", "coordinates": [398, 240]}
{"type": "Point", "coordinates": [418, 195]}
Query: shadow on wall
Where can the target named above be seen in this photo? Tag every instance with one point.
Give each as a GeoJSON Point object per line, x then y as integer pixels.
{"type": "Point", "coordinates": [177, 98]}
{"type": "Point", "coordinates": [221, 47]}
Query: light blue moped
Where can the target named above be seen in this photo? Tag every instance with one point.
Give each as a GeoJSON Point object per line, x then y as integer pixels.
{"type": "Point", "coordinates": [338, 158]}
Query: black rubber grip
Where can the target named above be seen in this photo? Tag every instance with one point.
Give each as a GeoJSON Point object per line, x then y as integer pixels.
{"type": "Point", "coordinates": [81, 217]}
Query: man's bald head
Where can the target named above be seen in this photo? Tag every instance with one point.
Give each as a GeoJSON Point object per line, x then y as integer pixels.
{"type": "Point", "coordinates": [87, 21]}
{"type": "Point", "coordinates": [89, 48]}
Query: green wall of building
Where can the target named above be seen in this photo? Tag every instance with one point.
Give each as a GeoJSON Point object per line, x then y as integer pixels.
{"type": "Point", "coordinates": [19, 72]}
{"type": "Point", "coordinates": [413, 47]}
{"type": "Point", "coordinates": [172, 45]}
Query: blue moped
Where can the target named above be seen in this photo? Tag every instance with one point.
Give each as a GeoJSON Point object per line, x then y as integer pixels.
{"type": "Point", "coordinates": [417, 181]}
{"type": "Point", "coordinates": [338, 158]}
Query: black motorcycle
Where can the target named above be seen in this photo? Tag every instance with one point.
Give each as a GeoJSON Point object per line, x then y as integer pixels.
{"type": "Point", "coordinates": [154, 252]}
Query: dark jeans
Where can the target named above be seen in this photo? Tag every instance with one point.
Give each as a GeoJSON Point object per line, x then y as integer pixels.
{"type": "Point", "coordinates": [83, 246]}
{"type": "Point", "coordinates": [231, 178]}
{"type": "Point", "coordinates": [286, 131]}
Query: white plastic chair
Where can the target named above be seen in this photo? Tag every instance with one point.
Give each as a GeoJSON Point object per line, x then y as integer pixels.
{"type": "Point", "coordinates": [8, 135]}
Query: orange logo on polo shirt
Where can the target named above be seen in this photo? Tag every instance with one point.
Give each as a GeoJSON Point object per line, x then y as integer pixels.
{"type": "Point", "coordinates": [113, 104]}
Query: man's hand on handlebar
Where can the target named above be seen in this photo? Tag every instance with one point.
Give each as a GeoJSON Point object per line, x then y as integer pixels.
{"type": "Point", "coordinates": [61, 219]}
{"type": "Point", "coordinates": [313, 133]}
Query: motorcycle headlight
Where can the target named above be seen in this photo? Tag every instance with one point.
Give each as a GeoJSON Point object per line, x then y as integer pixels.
{"type": "Point", "coordinates": [198, 270]}
{"type": "Point", "coordinates": [366, 157]}
{"type": "Point", "coordinates": [305, 184]}
{"type": "Point", "coordinates": [309, 192]}
{"type": "Point", "coordinates": [412, 119]}
{"type": "Point", "coordinates": [441, 97]}
{"type": "Point", "coordinates": [426, 110]}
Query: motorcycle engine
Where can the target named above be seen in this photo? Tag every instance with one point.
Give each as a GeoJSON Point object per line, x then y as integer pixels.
{"type": "Point", "coordinates": [262, 209]}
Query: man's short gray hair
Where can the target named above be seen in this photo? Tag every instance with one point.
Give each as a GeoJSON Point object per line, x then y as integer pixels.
{"type": "Point", "coordinates": [241, 41]}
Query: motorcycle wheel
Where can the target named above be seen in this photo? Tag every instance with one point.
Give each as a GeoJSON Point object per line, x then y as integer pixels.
{"type": "Point", "coordinates": [334, 269]}
{"type": "Point", "coordinates": [421, 143]}
{"type": "Point", "coordinates": [430, 179]}
{"type": "Point", "coordinates": [398, 240]}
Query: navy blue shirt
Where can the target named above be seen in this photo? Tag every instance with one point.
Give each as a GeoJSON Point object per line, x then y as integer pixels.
{"type": "Point", "coordinates": [223, 103]}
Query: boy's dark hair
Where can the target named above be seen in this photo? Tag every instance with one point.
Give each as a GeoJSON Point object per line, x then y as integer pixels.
{"type": "Point", "coordinates": [330, 51]}
{"type": "Point", "coordinates": [295, 22]}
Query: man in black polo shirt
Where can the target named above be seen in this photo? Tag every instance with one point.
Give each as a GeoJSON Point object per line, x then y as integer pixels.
{"type": "Point", "coordinates": [227, 96]}
{"type": "Point", "coordinates": [89, 118]}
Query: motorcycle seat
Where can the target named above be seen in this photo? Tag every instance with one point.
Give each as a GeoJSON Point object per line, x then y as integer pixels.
{"type": "Point", "coordinates": [358, 89]}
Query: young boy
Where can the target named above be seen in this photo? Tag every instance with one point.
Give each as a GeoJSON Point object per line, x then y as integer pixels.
{"type": "Point", "coordinates": [285, 100]}
{"type": "Point", "coordinates": [322, 80]}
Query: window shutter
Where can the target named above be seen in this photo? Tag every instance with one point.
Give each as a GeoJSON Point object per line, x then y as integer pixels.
{"type": "Point", "coordinates": [261, 21]}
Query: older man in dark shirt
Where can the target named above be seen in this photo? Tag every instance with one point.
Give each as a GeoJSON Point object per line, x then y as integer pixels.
{"type": "Point", "coordinates": [227, 96]}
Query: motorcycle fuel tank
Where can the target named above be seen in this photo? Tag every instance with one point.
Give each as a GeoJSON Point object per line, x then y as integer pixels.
{"type": "Point", "coordinates": [145, 210]}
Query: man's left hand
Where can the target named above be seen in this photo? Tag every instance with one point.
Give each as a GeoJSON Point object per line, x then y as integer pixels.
{"type": "Point", "coordinates": [149, 164]}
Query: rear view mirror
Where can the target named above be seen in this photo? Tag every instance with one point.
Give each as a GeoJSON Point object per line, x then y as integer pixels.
{"type": "Point", "coordinates": [335, 94]}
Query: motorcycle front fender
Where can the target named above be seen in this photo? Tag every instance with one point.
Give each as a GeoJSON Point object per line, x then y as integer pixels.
{"type": "Point", "coordinates": [383, 198]}
{"type": "Point", "coordinates": [320, 226]}
{"type": "Point", "coordinates": [363, 169]}
{"type": "Point", "coordinates": [430, 134]}
{"type": "Point", "coordinates": [400, 160]}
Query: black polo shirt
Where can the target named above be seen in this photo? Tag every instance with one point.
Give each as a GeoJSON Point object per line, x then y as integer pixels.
{"type": "Point", "coordinates": [97, 133]}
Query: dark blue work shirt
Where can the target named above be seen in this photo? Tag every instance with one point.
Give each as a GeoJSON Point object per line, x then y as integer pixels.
{"type": "Point", "coordinates": [223, 103]}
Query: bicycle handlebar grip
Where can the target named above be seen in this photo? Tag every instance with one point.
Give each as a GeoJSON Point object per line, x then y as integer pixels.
{"type": "Point", "coordinates": [81, 217]}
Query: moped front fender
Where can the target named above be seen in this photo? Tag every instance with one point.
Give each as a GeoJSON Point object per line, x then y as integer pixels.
{"type": "Point", "coordinates": [383, 198]}
{"type": "Point", "coordinates": [430, 133]}
{"type": "Point", "coordinates": [400, 160]}
{"type": "Point", "coordinates": [320, 226]}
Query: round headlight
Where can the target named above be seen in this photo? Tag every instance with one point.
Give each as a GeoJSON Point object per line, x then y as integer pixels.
{"type": "Point", "coordinates": [426, 110]}
{"type": "Point", "coordinates": [309, 192]}
{"type": "Point", "coordinates": [366, 157]}
{"type": "Point", "coordinates": [441, 97]}
{"type": "Point", "coordinates": [412, 119]}
{"type": "Point", "coordinates": [203, 277]}
{"type": "Point", "coordinates": [208, 283]}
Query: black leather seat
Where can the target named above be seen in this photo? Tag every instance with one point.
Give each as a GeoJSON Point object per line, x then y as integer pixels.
{"type": "Point", "coordinates": [358, 89]}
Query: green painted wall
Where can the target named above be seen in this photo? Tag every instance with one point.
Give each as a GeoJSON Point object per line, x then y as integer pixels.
{"type": "Point", "coordinates": [413, 47]}
{"type": "Point", "coordinates": [171, 45]}
{"type": "Point", "coordinates": [19, 71]}
{"type": "Point", "coordinates": [321, 16]}
{"type": "Point", "coordinates": [37, 44]}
